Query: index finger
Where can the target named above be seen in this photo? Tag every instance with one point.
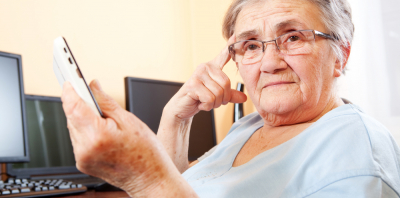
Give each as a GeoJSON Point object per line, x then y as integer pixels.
{"type": "Point", "coordinates": [222, 58]}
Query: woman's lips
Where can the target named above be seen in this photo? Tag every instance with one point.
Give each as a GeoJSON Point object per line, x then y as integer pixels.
{"type": "Point", "coordinates": [277, 83]}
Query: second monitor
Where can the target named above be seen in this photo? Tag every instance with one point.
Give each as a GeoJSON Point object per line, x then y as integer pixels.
{"type": "Point", "coordinates": [146, 99]}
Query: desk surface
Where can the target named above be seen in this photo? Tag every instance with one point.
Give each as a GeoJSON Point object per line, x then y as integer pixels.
{"type": "Point", "coordinates": [94, 194]}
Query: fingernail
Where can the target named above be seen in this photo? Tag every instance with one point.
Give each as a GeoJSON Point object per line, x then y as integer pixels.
{"type": "Point", "coordinates": [98, 86]}
{"type": "Point", "coordinates": [65, 96]}
{"type": "Point", "coordinates": [232, 38]}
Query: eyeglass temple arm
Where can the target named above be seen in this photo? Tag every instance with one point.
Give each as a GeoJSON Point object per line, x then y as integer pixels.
{"type": "Point", "coordinates": [325, 35]}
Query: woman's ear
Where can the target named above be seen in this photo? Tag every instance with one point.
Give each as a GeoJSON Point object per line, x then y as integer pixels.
{"type": "Point", "coordinates": [339, 67]}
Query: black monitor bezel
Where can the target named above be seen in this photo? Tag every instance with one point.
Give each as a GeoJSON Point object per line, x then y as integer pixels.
{"type": "Point", "coordinates": [129, 94]}
{"type": "Point", "coordinates": [29, 172]}
{"type": "Point", "coordinates": [22, 102]}
{"type": "Point", "coordinates": [129, 103]}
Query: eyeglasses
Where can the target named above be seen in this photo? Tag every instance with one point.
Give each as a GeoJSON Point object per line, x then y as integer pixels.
{"type": "Point", "coordinates": [292, 43]}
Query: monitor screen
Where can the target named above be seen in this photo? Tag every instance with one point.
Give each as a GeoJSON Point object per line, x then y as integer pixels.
{"type": "Point", "coordinates": [50, 146]}
{"type": "Point", "coordinates": [13, 147]}
{"type": "Point", "coordinates": [146, 99]}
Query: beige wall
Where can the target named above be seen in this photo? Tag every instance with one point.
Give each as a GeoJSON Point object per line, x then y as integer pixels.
{"type": "Point", "coordinates": [156, 39]}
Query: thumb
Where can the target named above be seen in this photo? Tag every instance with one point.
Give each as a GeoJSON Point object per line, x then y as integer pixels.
{"type": "Point", "coordinates": [237, 96]}
{"type": "Point", "coordinates": [78, 113]}
{"type": "Point", "coordinates": [108, 105]}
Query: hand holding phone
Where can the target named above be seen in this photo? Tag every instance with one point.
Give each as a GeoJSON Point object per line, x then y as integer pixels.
{"type": "Point", "coordinates": [66, 69]}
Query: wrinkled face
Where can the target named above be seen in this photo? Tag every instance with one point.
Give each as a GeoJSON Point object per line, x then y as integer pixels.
{"type": "Point", "coordinates": [287, 89]}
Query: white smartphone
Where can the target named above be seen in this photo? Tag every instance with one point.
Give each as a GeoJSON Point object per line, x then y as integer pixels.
{"type": "Point", "coordinates": [66, 69]}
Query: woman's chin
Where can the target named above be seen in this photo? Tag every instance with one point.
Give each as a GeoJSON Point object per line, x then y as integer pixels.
{"type": "Point", "coordinates": [280, 105]}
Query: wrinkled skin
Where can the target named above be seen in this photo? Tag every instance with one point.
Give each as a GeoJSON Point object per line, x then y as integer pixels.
{"type": "Point", "coordinates": [307, 89]}
{"type": "Point", "coordinates": [122, 150]}
{"type": "Point", "coordinates": [290, 92]}
{"type": "Point", "coordinates": [209, 87]}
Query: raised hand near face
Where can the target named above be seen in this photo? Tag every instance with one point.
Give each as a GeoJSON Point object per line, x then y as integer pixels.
{"type": "Point", "coordinates": [209, 87]}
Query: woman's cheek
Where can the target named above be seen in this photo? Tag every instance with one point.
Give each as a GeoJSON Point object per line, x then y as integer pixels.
{"type": "Point", "coordinates": [249, 71]}
{"type": "Point", "coordinates": [250, 77]}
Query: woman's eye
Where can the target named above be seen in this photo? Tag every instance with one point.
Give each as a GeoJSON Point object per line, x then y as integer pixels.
{"type": "Point", "coordinates": [293, 38]}
{"type": "Point", "coordinates": [252, 47]}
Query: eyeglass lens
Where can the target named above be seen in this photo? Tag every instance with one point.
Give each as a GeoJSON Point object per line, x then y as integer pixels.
{"type": "Point", "coordinates": [292, 43]}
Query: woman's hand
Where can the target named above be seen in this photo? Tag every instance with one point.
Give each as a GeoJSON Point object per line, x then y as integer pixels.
{"type": "Point", "coordinates": [120, 148]}
{"type": "Point", "coordinates": [209, 87]}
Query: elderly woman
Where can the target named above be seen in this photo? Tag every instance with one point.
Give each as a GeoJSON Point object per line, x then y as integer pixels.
{"type": "Point", "coordinates": [303, 141]}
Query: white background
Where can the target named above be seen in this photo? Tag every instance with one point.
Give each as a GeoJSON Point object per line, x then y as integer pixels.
{"type": "Point", "coordinates": [372, 79]}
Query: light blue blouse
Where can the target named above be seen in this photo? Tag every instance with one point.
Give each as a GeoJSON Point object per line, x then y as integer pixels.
{"type": "Point", "coordinates": [344, 154]}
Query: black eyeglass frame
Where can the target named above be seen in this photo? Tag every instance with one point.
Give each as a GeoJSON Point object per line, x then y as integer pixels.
{"type": "Point", "coordinates": [315, 32]}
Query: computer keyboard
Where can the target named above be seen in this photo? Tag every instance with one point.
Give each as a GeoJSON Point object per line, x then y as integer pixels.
{"type": "Point", "coordinates": [89, 181]}
{"type": "Point", "coordinates": [39, 188]}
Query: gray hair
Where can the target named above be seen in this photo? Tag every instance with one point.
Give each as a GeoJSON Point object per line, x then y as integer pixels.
{"type": "Point", "coordinates": [335, 14]}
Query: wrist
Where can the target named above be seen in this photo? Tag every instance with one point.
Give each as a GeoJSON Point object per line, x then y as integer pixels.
{"type": "Point", "coordinates": [163, 181]}
{"type": "Point", "coordinates": [173, 120]}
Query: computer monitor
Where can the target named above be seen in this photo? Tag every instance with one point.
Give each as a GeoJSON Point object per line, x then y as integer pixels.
{"type": "Point", "coordinates": [13, 144]}
{"type": "Point", "coordinates": [146, 99]}
{"type": "Point", "coordinates": [49, 142]}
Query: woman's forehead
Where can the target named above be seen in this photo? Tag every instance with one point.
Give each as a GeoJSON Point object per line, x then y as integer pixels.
{"type": "Point", "coordinates": [277, 16]}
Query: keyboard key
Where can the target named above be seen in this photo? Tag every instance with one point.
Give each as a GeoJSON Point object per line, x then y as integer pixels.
{"type": "Point", "coordinates": [15, 191]}
{"type": "Point", "coordinates": [79, 185]}
{"type": "Point", "coordinates": [63, 187]}
{"type": "Point", "coordinates": [53, 182]}
{"type": "Point", "coordinates": [24, 181]}
{"type": "Point", "coordinates": [5, 192]}
{"type": "Point", "coordinates": [37, 188]}
{"type": "Point", "coordinates": [10, 180]}
{"type": "Point", "coordinates": [51, 188]}
{"type": "Point", "coordinates": [18, 181]}
{"type": "Point", "coordinates": [58, 182]}
{"type": "Point", "coordinates": [44, 188]}
{"type": "Point", "coordinates": [25, 190]}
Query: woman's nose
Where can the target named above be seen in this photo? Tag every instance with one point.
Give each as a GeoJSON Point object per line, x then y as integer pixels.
{"type": "Point", "coordinates": [272, 61]}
